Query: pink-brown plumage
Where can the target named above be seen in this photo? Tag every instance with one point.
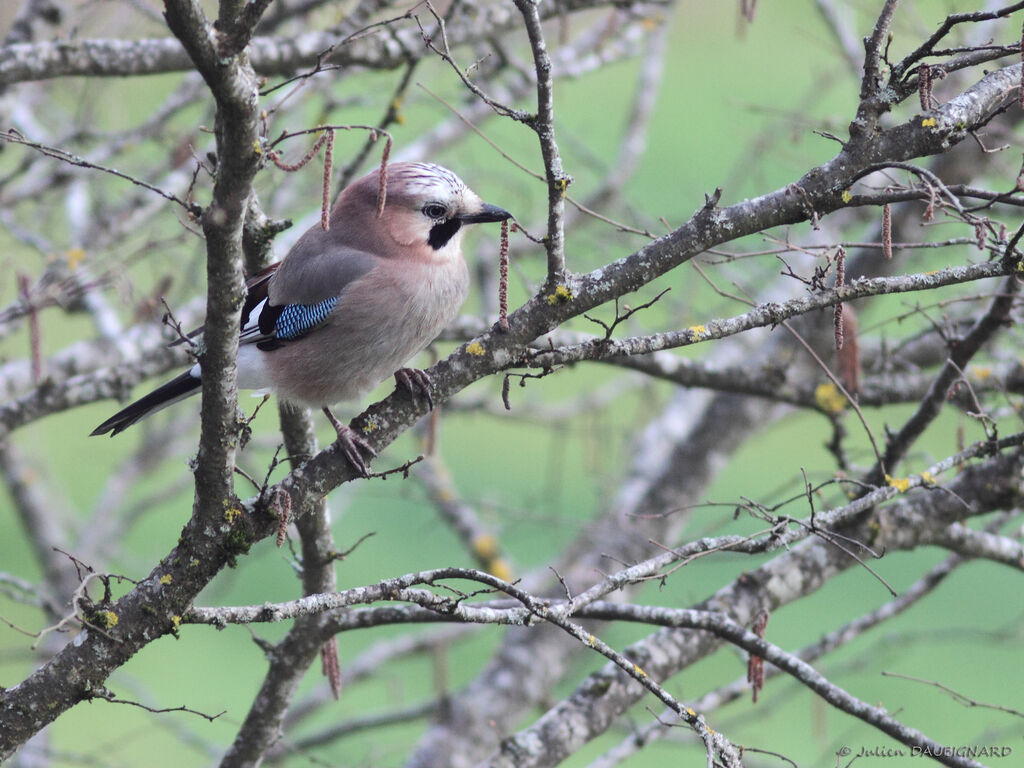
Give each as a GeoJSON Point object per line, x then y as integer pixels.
{"type": "Point", "coordinates": [361, 298]}
{"type": "Point", "coordinates": [381, 321]}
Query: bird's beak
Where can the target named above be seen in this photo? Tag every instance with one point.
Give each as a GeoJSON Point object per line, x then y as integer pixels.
{"type": "Point", "coordinates": [486, 213]}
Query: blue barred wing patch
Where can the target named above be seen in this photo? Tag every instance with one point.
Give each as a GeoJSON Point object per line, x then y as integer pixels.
{"type": "Point", "coordinates": [298, 319]}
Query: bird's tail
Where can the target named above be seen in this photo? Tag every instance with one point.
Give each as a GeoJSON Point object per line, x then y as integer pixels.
{"type": "Point", "coordinates": [174, 390]}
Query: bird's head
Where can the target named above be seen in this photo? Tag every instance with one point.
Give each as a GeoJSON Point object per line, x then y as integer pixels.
{"type": "Point", "coordinates": [425, 208]}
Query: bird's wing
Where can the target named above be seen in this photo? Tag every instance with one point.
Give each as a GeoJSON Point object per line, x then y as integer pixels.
{"type": "Point", "coordinates": [256, 292]}
{"type": "Point", "coordinates": [286, 300]}
{"type": "Point", "coordinates": [302, 292]}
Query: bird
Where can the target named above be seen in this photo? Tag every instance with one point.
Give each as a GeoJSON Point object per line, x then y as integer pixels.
{"type": "Point", "coordinates": [350, 304]}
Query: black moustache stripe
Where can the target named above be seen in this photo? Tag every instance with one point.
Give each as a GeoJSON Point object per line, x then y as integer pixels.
{"type": "Point", "coordinates": [441, 233]}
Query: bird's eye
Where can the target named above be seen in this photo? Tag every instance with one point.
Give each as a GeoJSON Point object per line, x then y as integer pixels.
{"type": "Point", "coordinates": [434, 211]}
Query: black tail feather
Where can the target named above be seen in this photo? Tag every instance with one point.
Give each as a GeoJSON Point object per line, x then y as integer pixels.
{"type": "Point", "coordinates": [174, 390]}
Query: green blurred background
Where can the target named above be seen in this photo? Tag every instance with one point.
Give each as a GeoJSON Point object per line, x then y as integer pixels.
{"type": "Point", "coordinates": [736, 107]}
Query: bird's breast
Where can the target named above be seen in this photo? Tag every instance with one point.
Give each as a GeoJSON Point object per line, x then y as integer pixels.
{"type": "Point", "coordinates": [381, 321]}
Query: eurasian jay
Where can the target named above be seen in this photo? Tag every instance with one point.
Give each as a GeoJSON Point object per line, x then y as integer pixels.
{"type": "Point", "coordinates": [348, 306]}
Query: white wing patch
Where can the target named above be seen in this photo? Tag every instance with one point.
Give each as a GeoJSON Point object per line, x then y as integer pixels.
{"type": "Point", "coordinates": [251, 327]}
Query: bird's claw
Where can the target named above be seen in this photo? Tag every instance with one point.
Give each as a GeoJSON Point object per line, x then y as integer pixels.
{"type": "Point", "coordinates": [352, 444]}
{"type": "Point", "coordinates": [417, 383]}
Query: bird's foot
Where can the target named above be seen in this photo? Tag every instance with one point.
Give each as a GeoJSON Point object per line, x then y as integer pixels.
{"type": "Point", "coordinates": [353, 445]}
{"type": "Point", "coordinates": [417, 383]}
